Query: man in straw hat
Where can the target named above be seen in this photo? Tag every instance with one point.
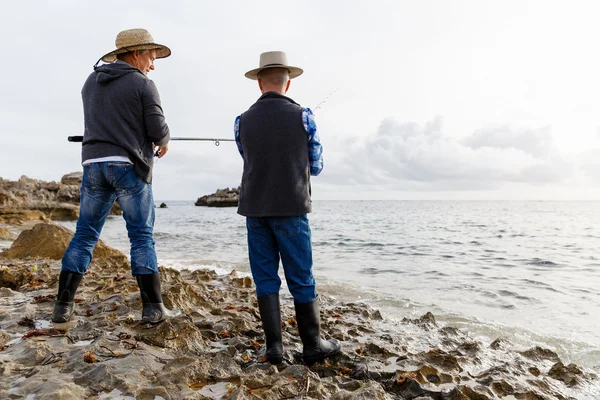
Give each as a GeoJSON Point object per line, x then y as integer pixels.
{"type": "Point", "coordinates": [279, 143]}
{"type": "Point", "coordinates": [124, 121]}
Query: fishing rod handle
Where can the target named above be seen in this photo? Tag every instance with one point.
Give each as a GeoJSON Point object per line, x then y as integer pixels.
{"type": "Point", "coordinates": [77, 139]}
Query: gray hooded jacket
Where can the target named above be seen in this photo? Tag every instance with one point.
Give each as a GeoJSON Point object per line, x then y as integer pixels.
{"type": "Point", "coordinates": [123, 116]}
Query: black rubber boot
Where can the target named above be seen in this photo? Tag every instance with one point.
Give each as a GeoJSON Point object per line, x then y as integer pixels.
{"type": "Point", "coordinates": [67, 286]}
{"type": "Point", "coordinates": [270, 314]}
{"type": "Point", "coordinates": [153, 310]}
{"type": "Point", "coordinates": [315, 349]}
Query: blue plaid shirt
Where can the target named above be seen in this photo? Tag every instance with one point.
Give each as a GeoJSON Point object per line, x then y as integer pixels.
{"type": "Point", "coordinates": [315, 150]}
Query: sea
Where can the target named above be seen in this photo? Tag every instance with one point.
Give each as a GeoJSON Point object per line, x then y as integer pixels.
{"type": "Point", "coordinates": [525, 271]}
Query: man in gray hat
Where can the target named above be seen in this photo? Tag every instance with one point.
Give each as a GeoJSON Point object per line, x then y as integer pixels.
{"type": "Point", "coordinates": [279, 143]}
{"type": "Point", "coordinates": [124, 124]}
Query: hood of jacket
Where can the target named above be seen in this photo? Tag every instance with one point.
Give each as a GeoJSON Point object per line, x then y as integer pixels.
{"type": "Point", "coordinates": [109, 72]}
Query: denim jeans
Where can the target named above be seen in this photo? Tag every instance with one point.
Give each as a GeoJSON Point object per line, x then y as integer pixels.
{"type": "Point", "coordinates": [102, 183]}
{"type": "Point", "coordinates": [270, 238]}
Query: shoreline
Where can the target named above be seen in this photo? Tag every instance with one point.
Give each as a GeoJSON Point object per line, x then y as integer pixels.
{"type": "Point", "coordinates": [217, 344]}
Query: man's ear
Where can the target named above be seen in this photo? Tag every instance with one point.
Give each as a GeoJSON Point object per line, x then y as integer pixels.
{"type": "Point", "coordinates": [260, 85]}
{"type": "Point", "coordinates": [287, 86]}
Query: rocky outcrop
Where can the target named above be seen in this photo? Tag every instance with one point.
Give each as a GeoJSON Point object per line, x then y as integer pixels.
{"type": "Point", "coordinates": [221, 198]}
{"type": "Point", "coordinates": [30, 199]}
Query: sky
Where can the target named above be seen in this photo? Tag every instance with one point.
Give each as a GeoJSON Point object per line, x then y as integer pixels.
{"type": "Point", "coordinates": [435, 99]}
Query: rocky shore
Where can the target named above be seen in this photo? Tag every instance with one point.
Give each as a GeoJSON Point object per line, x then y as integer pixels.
{"type": "Point", "coordinates": [215, 350]}
{"type": "Point", "coordinates": [30, 199]}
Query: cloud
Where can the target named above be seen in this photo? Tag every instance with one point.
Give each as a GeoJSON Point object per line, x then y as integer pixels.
{"type": "Point", "coordinates": [407, 156]}
{"type": "Point", "coordinates": [590, 163]}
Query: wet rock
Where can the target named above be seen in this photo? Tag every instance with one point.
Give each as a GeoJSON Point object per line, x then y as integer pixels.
{"type": "Point", "coordinates": [33, 354]}
{"type": "Point", "coordinates": [202, 369]}
{"type": "Point", "coordinates": [500, 344]}
{"type": "Point", "coordinates": [52, 388]}
{"type": "Point", "coordinates": [428, 374]}
{"type": "Point", "coordinates": [51, 241]}
{"type": "Point", "coordinates": [185, 296]}
{"type": "Point", "coordinates": [539, 353]}
{"type": "Point", "coordinates": [407, 387]}
{"type": "Point", "coordinates": [441, 359]}
{"type": "Point", "coordinates": [469, 393]}
{"type": "Point", "coordinates": [102, 377]}
{"type": "Point", "coordinates": [426, 321]}
{"type": "Point", "coordinates": [470, 349]}
{"type": "Point", "coordinates": [258, 378]}
{"type": "Point", "coordinates": [569, 374]}
{"type": "Point", "coordinates": [5, 234]}
{"type": "Point", "coordinates": [178, 334]}
{"type": "Point", "coordinates": [502, 388]}
{"type": "Point", "coordinates": [368, 391]}
{"type": "Point", "coordinates": [14, 278]}
{"type": "Point", "coordinates": [4, 338]}
{"type": "Point", "coordinates": [221, 198]}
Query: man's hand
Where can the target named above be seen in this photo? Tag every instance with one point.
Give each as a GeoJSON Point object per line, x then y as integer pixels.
{"type": "Point", "coordinates": [160, 151]}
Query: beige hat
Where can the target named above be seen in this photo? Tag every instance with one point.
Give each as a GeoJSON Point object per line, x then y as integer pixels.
{"type": "Point", "coordinates": [273, 59]}
{"type": "Point", "coordinates": [135, 39]}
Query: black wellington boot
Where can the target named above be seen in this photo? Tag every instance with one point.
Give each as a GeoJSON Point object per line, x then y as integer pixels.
{"type": "Point", "coordinates": [315, 349]}
{"type": "Point", "coordinates": [270, 315]}
{"type": "Point", "coordinates": [67, 286]}
{"type": "Point", "coordinates": [153, 310]}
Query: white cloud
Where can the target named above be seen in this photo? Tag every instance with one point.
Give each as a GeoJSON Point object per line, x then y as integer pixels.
{"type": "Point", "coordinates": [405, 155]}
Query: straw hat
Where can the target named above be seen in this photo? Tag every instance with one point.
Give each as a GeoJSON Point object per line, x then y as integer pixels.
{"type": "Point", "coordinates": [135, 39]}
{"type": "Point", "coordinates": [273, 59]}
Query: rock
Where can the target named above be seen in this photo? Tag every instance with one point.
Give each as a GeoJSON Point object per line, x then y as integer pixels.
{"type": "Point", "coordinates": [30, 199]}
{"type": "Point", "coordinates": [539, 353]}
{"type": "Point", "coordinates": [215, 350]}
{"type": "Point", "coordinates": [221, 198]}
{"type": "Point", "coordinates": [68, 194]}
{"type": "Point", "coordinates": [51, 241]}
{"type": "Point", "coordinates": [500, 344]}
{"type": "Point", "coordinates": [569, 374]}
{"type": "Point", "coordinates": [53, 388]}
{"type": "Point", "coordinates": [163, 205]}
{"type": "Point", "coordinates": [14, 278]}
{"type": "Point", "coordinates": [73, 178]}
{"type": "Point", "coordinates": [15, 216]}
{"type": "Point", "coordinates": [426, 321]}
{"type": "Point", "coordinates": [4, 338]}
{"type": "Point", "coordinates": [5, 234]}
{"type": "Point", "coordinates": [369, 391]}
{"type": "Point", "coordinates": [179, 334]}
{"type": "Point", "coordinates": [199, 369]}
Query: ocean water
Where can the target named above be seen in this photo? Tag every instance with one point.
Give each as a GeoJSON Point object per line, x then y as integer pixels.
{"type": "Point", "coordinates": [526, 271]}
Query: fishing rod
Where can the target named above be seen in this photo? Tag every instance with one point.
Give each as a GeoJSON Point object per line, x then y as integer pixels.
{"type": "Point", "coordinates": [216, 141]}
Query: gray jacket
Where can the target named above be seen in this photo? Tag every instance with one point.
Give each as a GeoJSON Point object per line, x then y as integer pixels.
{"type": "Point", "coordinates": [123, 116]}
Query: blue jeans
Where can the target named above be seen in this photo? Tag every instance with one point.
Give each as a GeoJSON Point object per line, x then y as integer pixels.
{"type": "Point", "coordinates": [270, 238]}
{"type": "Point", "coordinates": [102, 183]}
